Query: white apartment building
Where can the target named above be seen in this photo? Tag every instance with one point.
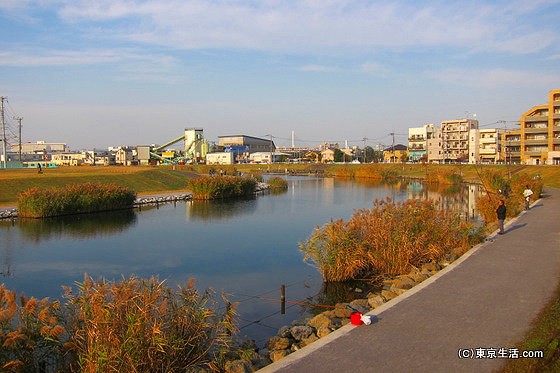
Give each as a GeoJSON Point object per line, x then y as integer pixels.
{"type": "Point", "coordinates": [485, 145]}
{"type": "Point", "coordinates": [418, 141]}
{"type": "Point", "coordinates": [451, 141]}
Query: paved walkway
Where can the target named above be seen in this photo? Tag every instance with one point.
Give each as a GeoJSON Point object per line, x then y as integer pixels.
{"type": "Point", "coordinates": [486, 299]}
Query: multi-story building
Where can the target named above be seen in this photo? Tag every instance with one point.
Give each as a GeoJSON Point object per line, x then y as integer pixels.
{"type": "Point", "coordinates": [40, 147]}
{"type": "Point", "coordinates": [511, 146]}
{"type": "Point", "coordinates": [485, 145]}
{"type": "Point", "coordinates": [450, 142]}
{"type": "Point", "coordinates": [418, 141]}
{"type": "Point", "coordinates": [540, 132]}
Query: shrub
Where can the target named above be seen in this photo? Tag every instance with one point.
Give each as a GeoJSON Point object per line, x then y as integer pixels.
{"type": "Point", "coordinates": [388, 239]}
{"type": "Point", "coordinates": [74, 199]}
{"type": "Point", "coordinates": [219, 187]}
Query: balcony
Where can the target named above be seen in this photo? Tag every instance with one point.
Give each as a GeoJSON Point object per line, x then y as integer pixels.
{"type": "Point", "coordinates": [543, 142]}
{"type": "Point", "coordinates": [536, 130]}
{"type": "Point", "coordinates": [536, 118]}
{"type": "Point", "coordinates": [487, 151]}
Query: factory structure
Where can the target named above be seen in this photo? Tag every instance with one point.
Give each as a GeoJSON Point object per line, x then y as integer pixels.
{"type": "Point", "coordinates": [535, 142]}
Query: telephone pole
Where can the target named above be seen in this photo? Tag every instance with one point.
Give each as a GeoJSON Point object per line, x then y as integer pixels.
{"type": "Point", "coordinates": [2, 98]}
{"type": "Point", "coordinates": [19, 119]}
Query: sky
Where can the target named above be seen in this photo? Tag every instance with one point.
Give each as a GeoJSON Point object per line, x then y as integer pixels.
{"type": "Point", "coordinates": [99, 73]}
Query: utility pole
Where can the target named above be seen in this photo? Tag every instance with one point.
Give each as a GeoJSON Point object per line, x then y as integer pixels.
{"type": "Point", "coordinates": [364, 150]}
{"type": "Point", "coordinates": [19, 119]}
{"type": "Point", "coordinates": [2, 98]}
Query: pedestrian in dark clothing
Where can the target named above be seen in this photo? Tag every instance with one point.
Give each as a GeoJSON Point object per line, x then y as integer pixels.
{"type": "Point", "coordinates": [501, 213]}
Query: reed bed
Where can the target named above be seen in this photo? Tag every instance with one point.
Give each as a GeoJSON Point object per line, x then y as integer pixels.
{"type": "Point", "coordinates": [221, 187]}
{"type": "Point", "coordinates": [389, 239]}
{"type": "Point", "coordinates": [135, 325]}
{"type": "Point", "coordinates": [444, 176]}
{"type": "Point", "coordinates": [74, 199]}
{"type": "Point", "coordinates": [277, 183]}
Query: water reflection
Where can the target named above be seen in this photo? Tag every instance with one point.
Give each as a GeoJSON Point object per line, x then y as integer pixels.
{"type": "Point", "coordinates": [219, 209]}
{"type": "Point", "coordinates": [82, 226]}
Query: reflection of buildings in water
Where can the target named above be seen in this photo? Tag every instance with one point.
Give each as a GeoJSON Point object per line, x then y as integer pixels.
{"type": "Point", "coordinates": [459, 198]}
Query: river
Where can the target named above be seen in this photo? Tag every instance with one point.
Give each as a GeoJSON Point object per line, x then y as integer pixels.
{"type": "Point", "coordinates": [244, 248]}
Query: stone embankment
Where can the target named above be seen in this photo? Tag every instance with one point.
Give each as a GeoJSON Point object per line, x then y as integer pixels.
{"type": "Point", "coordinates": [306, 331]}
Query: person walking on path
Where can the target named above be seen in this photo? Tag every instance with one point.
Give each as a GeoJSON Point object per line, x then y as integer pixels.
{"type": "Point", "coordinates": [527, 193]}
{"type": "Point", "coordinates": [501, 213]}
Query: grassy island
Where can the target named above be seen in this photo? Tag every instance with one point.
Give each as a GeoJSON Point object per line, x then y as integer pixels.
{"type": "Point", "coordinates": [74, 199]}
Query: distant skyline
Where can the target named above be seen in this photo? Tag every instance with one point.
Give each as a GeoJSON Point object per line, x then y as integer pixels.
{"type": "Point", "coordinates": [125, 72]}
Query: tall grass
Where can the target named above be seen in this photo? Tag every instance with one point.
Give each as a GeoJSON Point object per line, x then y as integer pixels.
{"type": "Point", "coordinates": [443, 176]}
{"type": "Point", "coordinates": [498, 185]}
{"type": "Point", "coordinates": [144, 326]}
{"type": "Point", "coordinates": [74, 199]}
{"type": "Point", "coordinates": [134, 325]}
{"type": "Point", "coordinates": [389, 239]}
{"type": "Point", "coordinates": [220, 187]}
{"type": "Point", "coordinates": [277, 183]}
{"type": "Point", "coordinates": [31, 333]}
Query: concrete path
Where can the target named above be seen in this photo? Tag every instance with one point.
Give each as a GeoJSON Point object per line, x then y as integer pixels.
{"type": "Point", "coordinates": [485, 300]}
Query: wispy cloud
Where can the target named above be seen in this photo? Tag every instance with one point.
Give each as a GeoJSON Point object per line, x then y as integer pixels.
{"type": "Point", "coordinates": [299, 26]}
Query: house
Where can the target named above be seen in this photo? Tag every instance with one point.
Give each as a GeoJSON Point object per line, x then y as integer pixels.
{"type": "Point", "coordinates": [395, 154]}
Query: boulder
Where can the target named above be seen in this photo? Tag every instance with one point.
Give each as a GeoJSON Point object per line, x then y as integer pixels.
{"type": "Point", "coordinates": [320, 321]}
{"type": "Point", "coordinates": [388, 294]}
{"type": "Point", "coordinates": [323, 332]}
{"type": "Point", "coordinates": [284, 332]}
{"type": "Point", "coordinates": [301, 332]}
{"type": "Point", "coordinates": [278, 343]}
{"type": "Point", "coordinates": [418, 276]}
{"type": "Point", "coordinates": [307, 341]}
{"type": "Point", "coordinates": [403, 282]}
{"type": "Point", "coordinates": [238, 366]}
{"type": "Point", "coordinates": [376, 301]}
{"type": "Point", "coordinates": [430, 267]}
{"type": "Point", "coordinates": [277, 355]}
{"type": "Point", "coordinates": [341, 310]}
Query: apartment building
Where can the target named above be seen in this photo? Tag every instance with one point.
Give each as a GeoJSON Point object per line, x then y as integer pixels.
{"type": "Point", "coordinates": [511, 146]}
{"type": "Point", "coordinates": [540, 132]}
{"type": "Point", "coordinates": [418, 141]}
{"type": "Point", "coordinates": [451, 141]}
{"type": "Point", "coordinates": [485, 145]}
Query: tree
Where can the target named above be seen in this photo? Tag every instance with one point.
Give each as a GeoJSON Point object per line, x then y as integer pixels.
{"type": "Point", "coordinates": [338, 155]}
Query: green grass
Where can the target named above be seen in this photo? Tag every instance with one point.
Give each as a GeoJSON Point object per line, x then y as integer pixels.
{"type": "Point", "coordinates": [143, 180]}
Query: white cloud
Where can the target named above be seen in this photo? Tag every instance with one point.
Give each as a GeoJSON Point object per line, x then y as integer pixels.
{"type": "Point", "coordinates": [311, 26]}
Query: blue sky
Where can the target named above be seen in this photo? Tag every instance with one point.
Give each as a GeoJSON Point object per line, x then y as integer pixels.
{"type": "Point", "coordinates": [98, 73]}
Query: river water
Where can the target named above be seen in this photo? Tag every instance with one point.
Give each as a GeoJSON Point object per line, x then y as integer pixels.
{"type": "Point", "coordinates": [244, 248]}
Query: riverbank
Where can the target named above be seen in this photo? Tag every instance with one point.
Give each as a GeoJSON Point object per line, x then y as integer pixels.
{"type": "Point", "coordinates": [467, 317]}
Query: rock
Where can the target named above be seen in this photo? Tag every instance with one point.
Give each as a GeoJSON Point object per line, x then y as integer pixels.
{"type": "Point", "coordinates": [304, 321]}
{"type": "Point", "coordinates": [403, 282]}
{"type": "Point", "coordinates": [430, 267]}
{"type": "Point", "coordinates": [277, 355]}
{"type": "Point", "coordinates": [301, 332]}
{"type": "Point", "coordinates": [307, 341]}
{"type": "Point", "coordinates": [278, 343]}
{"type": "Point", "coordinates": [284, 332]}
{"type": "Point", "coordinates": [388, 294]}
{"type": "Point", "coordinates": [320, 321]}
{"type": "Point", "coordinates": [376, 301]}
{"type": "Point", "coordinates": [323, 332]}
{"type": "Point", "coordinates": [360, 305]}
{"type": "Point", "coordinates": [238, 366]}
{"type": "Point", "coordinates": [341, 310]}
{"type": "Point", "coordinates": [418, 276]}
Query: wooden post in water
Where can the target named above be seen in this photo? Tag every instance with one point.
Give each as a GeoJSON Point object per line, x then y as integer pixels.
{"type": "Point", "coordinates": [283, 299]}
